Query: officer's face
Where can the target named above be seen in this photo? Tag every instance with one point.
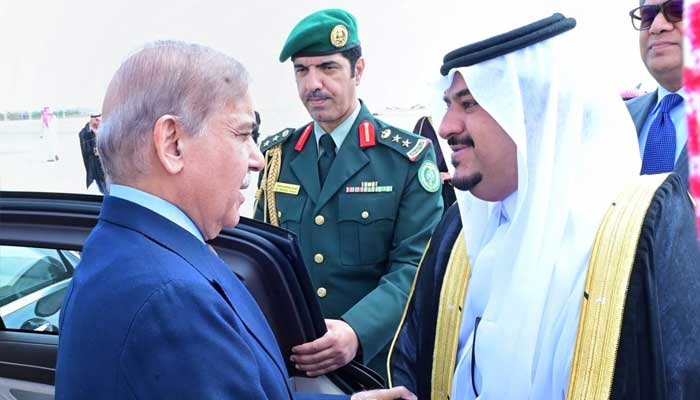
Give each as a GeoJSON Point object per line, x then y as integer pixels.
{"type": "Point", "coordinates": [661, 48]}
{"type": "Point", "coordinates": [484, 156]}
{"type": "Point", "coordinates": [327, 88]}
{"type": "Point", "coordinates": [217, 166]}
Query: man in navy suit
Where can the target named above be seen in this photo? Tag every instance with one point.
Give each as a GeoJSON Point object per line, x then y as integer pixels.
{"type": "Point", "coordinates": [660, 26]}
{"type": "Point", "coordinates": [152, 313]}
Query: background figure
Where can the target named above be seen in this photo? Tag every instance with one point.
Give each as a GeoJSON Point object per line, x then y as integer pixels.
{"type": "Point", "coordinates": [361, 195]}
{"type": "Point", "coordinates": [91, 157]}
{"type": "Point", "coordinates": [48, 135]}
{"type": "Point", "coordinates": [256, 131]}
{"type": "Point", "coordinates": [659, 116]}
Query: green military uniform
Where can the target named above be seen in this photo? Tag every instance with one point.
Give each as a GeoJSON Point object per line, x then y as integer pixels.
{"type": "Point", "coordinates": [362, 234]}
{"type": "Point", "coordinates": [363, 231]}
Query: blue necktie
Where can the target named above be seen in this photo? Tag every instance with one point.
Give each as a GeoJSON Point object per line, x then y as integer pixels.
{"type": "Point", "coordinates": [660, 149]}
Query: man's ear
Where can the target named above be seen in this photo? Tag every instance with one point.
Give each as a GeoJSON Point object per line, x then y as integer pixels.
{"type": "Point", "coordinates": [167, 138]}
{"type": "Point", "coordinates": [359, 68]}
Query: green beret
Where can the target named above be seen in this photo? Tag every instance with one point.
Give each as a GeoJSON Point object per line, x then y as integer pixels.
{"type": "Point", "coordinates": [321, 33]}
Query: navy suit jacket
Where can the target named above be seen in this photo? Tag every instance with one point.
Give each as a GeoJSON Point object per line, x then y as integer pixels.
{"type": "Point", "coordinates": [639, 108]}
{"type": "Point", "coordinates": [152, 313]}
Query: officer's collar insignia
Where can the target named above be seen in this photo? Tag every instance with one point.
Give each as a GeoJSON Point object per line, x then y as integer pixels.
{"type": "Point", "coordinates": [304, 137]}
{"type": "Point", "coordinates": [339, 36]}
{"type": "Point", "coordinates": [386, 133]}
{"type": "Point", "coordinates": [366, 131]}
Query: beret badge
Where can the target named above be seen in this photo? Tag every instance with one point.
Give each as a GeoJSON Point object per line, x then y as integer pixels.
{"type": "Point", "coordinates": [339, 36]}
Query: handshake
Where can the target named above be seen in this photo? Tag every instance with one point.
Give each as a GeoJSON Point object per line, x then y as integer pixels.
{"type": "Point", "coordinates": [397, 393]}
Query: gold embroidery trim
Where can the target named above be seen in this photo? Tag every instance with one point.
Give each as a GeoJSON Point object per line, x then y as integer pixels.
{"type": "Point", "coordinates": [449, 320]}
{"type": "Point", "coordinates": [607, 281]}
{"type": "Point", "coordinates": [452, 294]}
{"type": "Point", "coordinates": [403, 317]}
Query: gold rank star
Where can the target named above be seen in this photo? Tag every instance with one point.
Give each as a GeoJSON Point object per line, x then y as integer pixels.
{"type": "Point", "coordinates": [396, 138]}
{"type": "Point", "coordinates": [406, 143]}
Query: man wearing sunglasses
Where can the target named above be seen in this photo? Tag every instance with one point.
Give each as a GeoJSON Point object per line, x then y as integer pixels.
{"type": "Point", "coordinates": [659, 116]}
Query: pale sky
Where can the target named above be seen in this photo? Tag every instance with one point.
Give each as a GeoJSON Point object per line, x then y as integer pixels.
{"type": "Point", "coordinates": [62, 53]}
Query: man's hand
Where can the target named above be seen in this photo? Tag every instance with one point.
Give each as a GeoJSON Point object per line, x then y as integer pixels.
{"type": "Point", "coordinates": [331, 351]}
{"type": "Point", "coordinates": [398, 392]}
{"type": "Point", "coordinates": [445, 177]}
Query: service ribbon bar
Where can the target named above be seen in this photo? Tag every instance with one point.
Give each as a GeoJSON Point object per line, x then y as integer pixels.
{"type": "Point", "coordinates": [369, 187]}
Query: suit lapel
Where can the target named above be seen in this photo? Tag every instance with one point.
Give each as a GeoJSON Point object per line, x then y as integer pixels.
{"type": "Point", "coordinates": [169, 235]}
{"type": "Point", "coordinates": [243, 304]}
{"type": "Point", "coordinates": [641, 108]}
{"type": "Point", "coordinates": [682, 165]}
{"type": "Point", "coordinates": [350, 159]}
{"type": "Point", "coordinates": [305, 168]}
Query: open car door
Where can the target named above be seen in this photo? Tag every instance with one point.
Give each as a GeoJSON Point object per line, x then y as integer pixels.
{"type": "Point", "coordinates": [41, 237]}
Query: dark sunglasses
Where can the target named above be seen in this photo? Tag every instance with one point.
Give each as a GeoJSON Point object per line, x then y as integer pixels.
{"type": "Point", "coordinates": [643, 17]}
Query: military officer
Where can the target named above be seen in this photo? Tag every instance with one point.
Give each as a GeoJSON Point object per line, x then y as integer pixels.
{"type": "Point", "coordinates": [361, 195]}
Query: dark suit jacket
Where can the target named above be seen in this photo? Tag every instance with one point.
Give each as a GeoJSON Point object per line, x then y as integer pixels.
{"type": "Point", "coordinates": [93, 166]}
{"type": "Point", "coordinates": [151, 313]}
{"type": "Point", "coordinates": [639, 109]}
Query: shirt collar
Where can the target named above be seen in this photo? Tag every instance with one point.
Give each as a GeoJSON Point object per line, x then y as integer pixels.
{"type": "Point", "coordinates": [504, 208]}
{"type": "Point", "coordinates": [663, 92]}
{"type": "Point", "coordinates": [159, 206]}
{"type": "Point", "coordinates": [341, 131]}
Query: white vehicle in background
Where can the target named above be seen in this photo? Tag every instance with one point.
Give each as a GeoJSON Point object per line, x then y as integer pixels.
{"type": "Point", "coordinates": [32, 284]}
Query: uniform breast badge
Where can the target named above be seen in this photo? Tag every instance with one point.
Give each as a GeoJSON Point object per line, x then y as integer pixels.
{"type": "Point", "coordinates": [429, 176]}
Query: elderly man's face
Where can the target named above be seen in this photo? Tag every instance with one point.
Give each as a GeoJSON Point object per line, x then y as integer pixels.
{"type": "Point", "coordinates": [484, 156]}
{"type": "Point", "coordinates": [217, 164]}
{"type": "Point", "coordinates": [661, 48]}
{"type": "Point", "coordinates": [327, 88]}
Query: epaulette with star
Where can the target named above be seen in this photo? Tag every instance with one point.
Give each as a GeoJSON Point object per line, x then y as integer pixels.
{"type": "Point", "coordinates": [277, 138]}
{"type": "Point", "coordinates": [410, 145]}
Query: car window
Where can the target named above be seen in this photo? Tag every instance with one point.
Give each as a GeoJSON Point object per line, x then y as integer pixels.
{"type": "Point", "coordinates": [33, 282]}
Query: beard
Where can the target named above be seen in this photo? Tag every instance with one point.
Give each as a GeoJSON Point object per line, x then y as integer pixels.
{"type": "Point", "coordinates": [466, 183]}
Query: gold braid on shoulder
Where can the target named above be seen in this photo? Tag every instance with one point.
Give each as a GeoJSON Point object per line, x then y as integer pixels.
{"type": "Point", "coordinates": [273, 165]}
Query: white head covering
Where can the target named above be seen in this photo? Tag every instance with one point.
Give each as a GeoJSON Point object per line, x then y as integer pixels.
{"type": "Point", "coordinates": [576, 145]}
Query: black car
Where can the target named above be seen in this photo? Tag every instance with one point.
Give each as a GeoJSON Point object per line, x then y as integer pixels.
{"type": "Point", "coordinates": [41, 236]}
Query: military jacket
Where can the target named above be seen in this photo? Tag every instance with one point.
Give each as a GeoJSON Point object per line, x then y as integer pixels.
{"type": "Point", "coordinates": [363, 233]}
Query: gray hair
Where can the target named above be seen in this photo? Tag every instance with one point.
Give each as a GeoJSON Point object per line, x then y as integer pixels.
{"type": "Point", "coordinates": [189, 81]}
